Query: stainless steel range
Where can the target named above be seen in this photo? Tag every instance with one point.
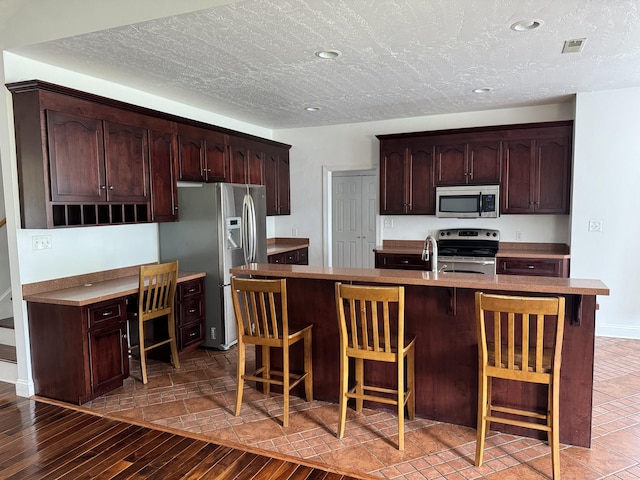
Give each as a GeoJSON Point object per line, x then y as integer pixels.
{"type": "Point", "coordinates": [468, 250]}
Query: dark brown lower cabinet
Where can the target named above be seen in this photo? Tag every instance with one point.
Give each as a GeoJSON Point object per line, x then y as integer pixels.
{"type": "Point", "coordinates": [78, 353]}
{"type": "Point", "coordinates": [541, 267]}
{"type": "Point", "coordinates": [299, 256]}
{"type": "Point", "coordinates": [402, 261]}
{"type": "Point", "coordinates": [190, 314]}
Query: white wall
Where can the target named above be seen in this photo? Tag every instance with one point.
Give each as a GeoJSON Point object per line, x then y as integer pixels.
{"type": "Point", "coordinates": [355, 146]}
{"type": "Point", "coordinates": [605, 187]}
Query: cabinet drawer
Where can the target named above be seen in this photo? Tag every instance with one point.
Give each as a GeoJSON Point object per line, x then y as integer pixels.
{"type": "Point", "coordinates": [191, 310]}
{"type": "Point", "coordinates": [103, 313]}
{"type": "Point", "coordinates": [190, 334]}
{"type": "Point", "coordinates": [303, 256]}
{"type": "Point", "coordinates": [535, 267]}
{"type": "Point", "coordinates": [190, 288]}
{"type": "Point", "coordinates": [401, 261]}
{"type": "Point", "coordinates": [278, 258]}
{"type": "Point", "coordinates": [292, 257]}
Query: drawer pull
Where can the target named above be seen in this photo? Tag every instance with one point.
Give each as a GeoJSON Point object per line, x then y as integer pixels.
{"type": "Point", "coordinates": [191, 290]}
{"type": "Point", "coordinates": [531, 266]}
{"type": "Point", "coordinates": [192, 310]}
{"type": "Point", "coordinates": [193, 334]}
{"type": "Point", "coordinates": [106, 314]}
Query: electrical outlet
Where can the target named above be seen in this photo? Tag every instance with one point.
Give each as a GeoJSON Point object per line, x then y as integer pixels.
{"type": "Point", "coordinates": [213, 333]}
{"type": "Point", "coordinates": [518, 236]}
{"type": "Point", "coordinates": [388, 223]}
{"type": "Point", "coordinates": [294, 232]}
{"type": "Point", "coordinates": [595, 225]}
{"type": "Point", "coordinates": [41, 242]}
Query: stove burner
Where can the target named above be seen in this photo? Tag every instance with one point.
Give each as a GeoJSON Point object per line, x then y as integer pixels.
{"type": "Point", "coordinates": [468, 242]}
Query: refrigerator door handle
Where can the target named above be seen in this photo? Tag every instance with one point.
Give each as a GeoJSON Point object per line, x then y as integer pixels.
{"type": "Point", "coordinates": [249, 229]}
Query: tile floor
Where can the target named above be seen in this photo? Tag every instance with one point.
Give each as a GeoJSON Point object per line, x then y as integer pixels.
{"type": "Point", "coordinates": [199, 398]}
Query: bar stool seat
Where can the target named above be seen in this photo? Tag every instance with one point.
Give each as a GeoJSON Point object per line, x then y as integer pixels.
{"type": "Point", "coordinates": [519, 339]}
{"type": "Point", "coordinates": [260, 308]}
{"type": "Point", "coordinates": [156, 298]}
{"type": "Point", "coordinates": [371, 324]}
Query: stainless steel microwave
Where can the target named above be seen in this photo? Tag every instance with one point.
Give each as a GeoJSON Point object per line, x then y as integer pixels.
{"type": "Point", "coordinates": [468, 201]}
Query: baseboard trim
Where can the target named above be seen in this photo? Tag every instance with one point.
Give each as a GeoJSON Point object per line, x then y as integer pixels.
{"type": "Point", "coordinates": [24, 388]}
{"type": "Point", "coordinates": [618, 331]}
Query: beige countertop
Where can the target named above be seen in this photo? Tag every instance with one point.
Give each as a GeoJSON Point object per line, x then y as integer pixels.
{"type": "Point", "coordinates": [506, 249]}
{"type": "Point", "coordinates": [90, 291]}
{"type": "Point", "coordinates": [281, 244]}
{"type": "Point", "coordinates": [512, 283]}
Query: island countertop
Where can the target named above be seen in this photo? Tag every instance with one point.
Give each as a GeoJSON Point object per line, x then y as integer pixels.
{"type": "Point", "coordinates": [510, 283]}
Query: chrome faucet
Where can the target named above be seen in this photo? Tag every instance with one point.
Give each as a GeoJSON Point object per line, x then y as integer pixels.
{"type": "Point", "coordinates": [434, 252]}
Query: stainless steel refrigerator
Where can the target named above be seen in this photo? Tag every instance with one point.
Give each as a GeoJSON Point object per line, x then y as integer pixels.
{"type": "Point", "coordinates": [221, 225]}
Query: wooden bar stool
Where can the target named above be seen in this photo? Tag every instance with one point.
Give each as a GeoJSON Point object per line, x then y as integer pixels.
{"type": "Point", "coordinates": [260, 308]}
{"type": "Point", "coordinates": [512, 345]}
{"type": "Point", "coordinates": [156, 297]}
{"type": "Point", "coordinates": [371, 323]}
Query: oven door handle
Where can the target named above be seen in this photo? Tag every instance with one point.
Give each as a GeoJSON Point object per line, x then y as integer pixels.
{"type": "Point", "coordinates": [476, 261]}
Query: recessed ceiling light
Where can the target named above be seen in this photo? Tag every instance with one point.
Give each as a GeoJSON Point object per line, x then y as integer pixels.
{"type": "Point", "coordinates": [312, 109]}
{"type": "Point", "coordinates": [482, 90]}
{"type": "Point", "coordinates": [328, 54]}
{"type": "Point", "coordinates": [526, 25]}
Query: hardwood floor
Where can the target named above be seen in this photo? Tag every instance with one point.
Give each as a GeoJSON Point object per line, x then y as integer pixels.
{"type": "Point", "coordinates": [46, 441]}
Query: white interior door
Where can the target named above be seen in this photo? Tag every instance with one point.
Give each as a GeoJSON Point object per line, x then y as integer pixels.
{"type": "Point", "coordinates": [354, 198]}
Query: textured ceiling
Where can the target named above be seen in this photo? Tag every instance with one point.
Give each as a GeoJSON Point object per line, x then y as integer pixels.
{"type": "Point", "coordinates": [254, 60]}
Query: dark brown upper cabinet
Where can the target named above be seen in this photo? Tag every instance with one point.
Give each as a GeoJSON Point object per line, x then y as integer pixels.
{"type": "Point", "coordinates": [276, 180]}
{"type": "Point", "coordinates": [90, 160]}
{"type": "Point", "coordinates": [471, 163]}
{"type": "Point", "coordinates": [96, 161]}
{"type": "Point", "coordinates": [81, 162]}
{"type": "Point", "coordinates": [406, 177]}
{"type": "Point", "coordinates": [537, 175]}
{"type": "Point", "coordinates": [163, 152]}
{"type": "Point", "coordinates": [202, 155]}
{"type": "Point", "coordinates": [247, 161]}
{"type": "Point", "coordinates": [531, 163]}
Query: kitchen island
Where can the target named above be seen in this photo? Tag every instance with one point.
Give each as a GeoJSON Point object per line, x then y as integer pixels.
{"type": "Point", "coordinates": [440, 311]}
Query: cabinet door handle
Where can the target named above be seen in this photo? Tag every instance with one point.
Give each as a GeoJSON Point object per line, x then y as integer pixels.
{"type": "Point", "coordinates": [191, 290]}
{"type": "Point", "coordinates": [193, 334]}
{"type": "Point", "coordinates": [192, 310]}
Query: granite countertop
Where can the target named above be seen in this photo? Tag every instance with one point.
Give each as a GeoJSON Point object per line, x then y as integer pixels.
{"type": "Point", "coordinates": [511, 283]}
{"type": "Point", "coordinates": [506, 249]}
{"type": "Point", "coordinates": [93, 289]}
{"type": "Point", "coordinates": [278, 245]}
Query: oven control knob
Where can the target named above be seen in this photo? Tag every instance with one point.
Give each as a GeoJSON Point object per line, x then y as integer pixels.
{"type": "Point", "coordinates": [495, 234]}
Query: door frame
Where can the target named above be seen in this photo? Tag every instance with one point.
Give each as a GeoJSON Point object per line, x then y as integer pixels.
{"type": "Point", "coordinates": [327, 213]}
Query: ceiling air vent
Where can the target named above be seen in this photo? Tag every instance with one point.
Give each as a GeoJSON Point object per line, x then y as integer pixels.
{"type": "Point", "coordinates": [574, 45]}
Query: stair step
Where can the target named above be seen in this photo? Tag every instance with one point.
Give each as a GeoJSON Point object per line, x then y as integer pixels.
{"type": "Point", "coordinates": [7, 323]}
{"type": "Point", "coordinates": [8, 354]}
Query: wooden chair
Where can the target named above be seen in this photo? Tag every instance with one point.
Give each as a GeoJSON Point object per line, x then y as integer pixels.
{"type": "Point", "coordinates": [512, 345]}
{"type": "Point", "coordinates": [261, 314]}
{"type": "Point", "coordinates": [156, 296]}
{"type": "Point", "coordinates": [371, 324]}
